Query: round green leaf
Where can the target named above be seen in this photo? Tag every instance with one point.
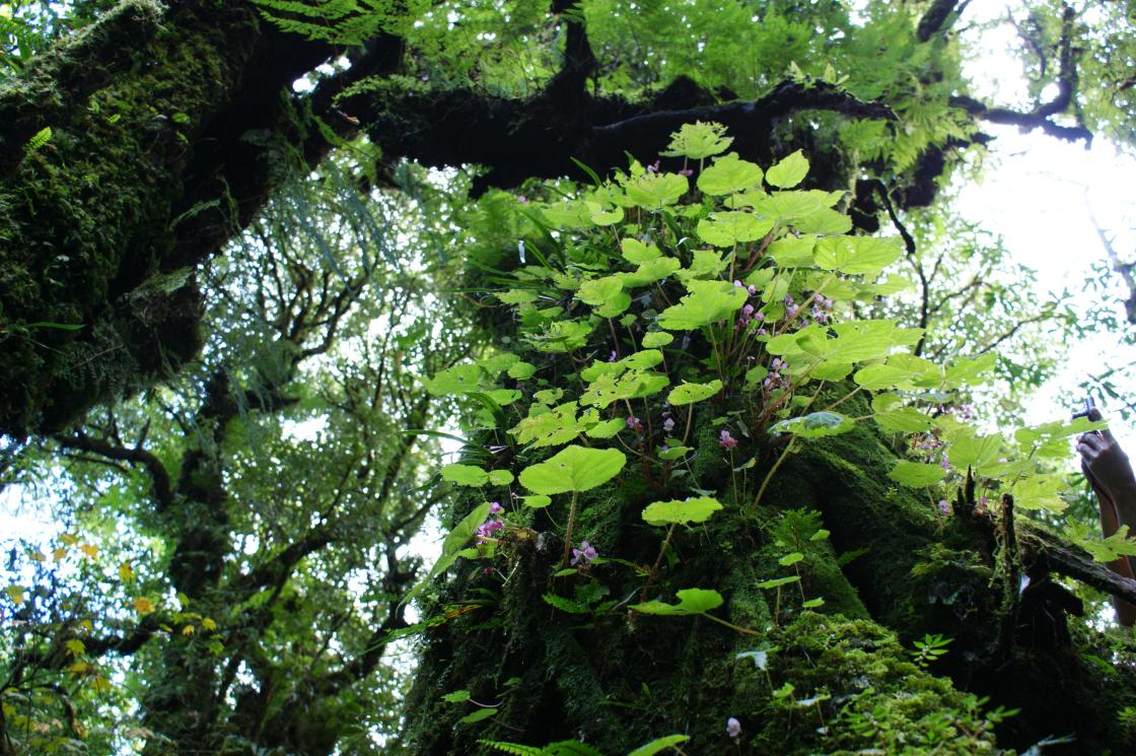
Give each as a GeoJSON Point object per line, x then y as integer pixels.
{"type": "Point", "coordinates": [788, 172]}
{"type": "Point", "coordinates": [815, 425]}
{"type": "Point", "coordinates": [657, 339]}
{"type": "Point", "coordinates": [729, 174]}
{"type": "Point", "coordinates": [689, 393]}
{"type": "Point", "coordinates": [574, 468]}
{"type": "Point", "coordinates": [916, 474]}
{"type": "Point", "coordinates": [681, 512]}
{"type": "Point", "coordinates": [465, 475]}
{"type": "Point", "coordinates": [500, 477]}
{"type": "Point", "coordinates": [690, 601]}
{"type": "Point", "coordinates": [698, 140]}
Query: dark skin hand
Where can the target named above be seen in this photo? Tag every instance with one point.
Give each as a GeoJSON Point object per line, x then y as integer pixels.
{"type": "Point", "coordinates": [1107, 467]}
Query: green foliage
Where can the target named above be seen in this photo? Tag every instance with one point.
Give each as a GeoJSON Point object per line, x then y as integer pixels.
{"type": "Point", "coordinates": [690, 601]}
{"type": "Point", "coordinates": [681, 512]}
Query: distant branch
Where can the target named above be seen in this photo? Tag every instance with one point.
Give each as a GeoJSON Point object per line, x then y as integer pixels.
{"type": "Point", "coordinates": [1125, 270]}
{"type": "Point", "coordinates": [159, 476]}
{"type": "Point", "coordinates": [934, 19]}
{"type": "Point", "coordinates": [1038, 118]}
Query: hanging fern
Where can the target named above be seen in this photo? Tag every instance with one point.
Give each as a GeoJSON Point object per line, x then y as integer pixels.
{"type": "Point", "coordinates": [342, 22]}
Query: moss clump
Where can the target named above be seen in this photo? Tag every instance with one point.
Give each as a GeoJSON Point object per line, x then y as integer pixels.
{"type": "Point", "coordinates": [87, 220]}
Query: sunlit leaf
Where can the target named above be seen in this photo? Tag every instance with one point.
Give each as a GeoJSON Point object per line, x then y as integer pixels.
{"type": "Point", "coordinates": [574, 468]}
{"type": "Point", "coordinates": [789, 171]}
{"type": "Point", "coordinates": [684, 512]}
{"type": "Point", "coordinates": [916, 474]}
{"type": "Point", "coordinates": [690, 601]}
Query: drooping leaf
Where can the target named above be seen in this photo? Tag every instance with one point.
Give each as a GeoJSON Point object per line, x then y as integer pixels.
{"type": "Point", "coordinates": [451, 545]}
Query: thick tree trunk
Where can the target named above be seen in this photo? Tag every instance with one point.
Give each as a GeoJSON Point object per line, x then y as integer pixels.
{"type": "Point", "coordinates": [891, 571]}
{"type": "Point", "coordinates": [123, 163]}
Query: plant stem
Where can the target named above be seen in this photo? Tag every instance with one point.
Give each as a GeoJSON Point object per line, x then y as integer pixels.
{"type": "Point", "coordinates": [689, 416]}
{"type": "Point", "coordinates": [571, 527]}
{"type": "Point", "coordinates": [658, 561]}
{"type": "Point", "coordinates": [731, 625]}
{"type": "Point", "coordinates": [772, 470]}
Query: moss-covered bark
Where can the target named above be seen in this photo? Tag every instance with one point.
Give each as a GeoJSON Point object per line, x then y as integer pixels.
{"type": "Point", "coordinates": [618, 679]}
{"type": "Point", "coordinates": [118, 153]}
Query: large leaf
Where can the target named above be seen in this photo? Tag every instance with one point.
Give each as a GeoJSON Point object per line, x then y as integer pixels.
{"type": "Point", "coordinates": [708, 302]}
{"type": "Point", "coordinates": [729, 174]}
{"type": "Point", "coordinates": [689, 393]}
{"type": "Point", "coordinates": [815, 425]}
{"type": "Point", "coordinates": [978, 452]}
{"type": "Point", "coordinates": [916, 474]}
{"type": "Point", "coordinates": [659, 745]}
{"type": "Point", "coordinates": [451, 546]}
{"type": "Point", "coordinates": [858, 254]}
{"type": "Point", "coordinates": [789, 172]}
{"type": "Point", "coordinates": [698, 140]}
{"type": "Point", "coordinates": [690, 601]}
{"type": "Point", "coordinates": [725, 229]}
{"type": "Point", "coordinates": [681, 512]}
{"type": "Point", "coordinates": [464, 475]}
{"type": "Point", "coordinates": [574, 468]}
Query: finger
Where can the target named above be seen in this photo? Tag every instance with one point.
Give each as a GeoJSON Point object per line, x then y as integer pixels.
{"type": "Point", "coordinates": [1087, 452]}
{"type": "Point", "coordinates": [1091, 440]}
{"type": "Point", "coordinates": [1094, 414]}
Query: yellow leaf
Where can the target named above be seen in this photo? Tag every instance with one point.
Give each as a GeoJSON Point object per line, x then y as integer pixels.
{"type": "Point", "coordinates": [58, 554]}
{"type": "Point", "coordinates": [75, 647]}
{"type": "Point", "coordinates": [69, 539]}
{"type": "Point", "coordinates": [208, 624]}
{"type": "Point", "coordinates": [38, 556]}
{"type": "Point", "coordinates": [79, 668]}
{"type": "Point", "coordinates": [86, 626]}
{"type": "Point", "coordinates": [101, 684]}
{"type": "Point", "coordinates": [187, 630]}
{"type": "Point", "coordinates": [143, 605]}
{"type": "Point", "coordinates": [16, 593]}
{"type": "Point", "coordinates": [126, 572]}
{"type": "Point", "coordinates": [90, 550]}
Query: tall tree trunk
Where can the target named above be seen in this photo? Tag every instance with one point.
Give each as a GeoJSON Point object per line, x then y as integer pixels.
{"type": "Point", "coordinates": [123, 163]}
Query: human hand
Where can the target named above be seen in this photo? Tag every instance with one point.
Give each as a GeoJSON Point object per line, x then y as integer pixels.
{"type": "Point", "coordinates": [1104, 461]}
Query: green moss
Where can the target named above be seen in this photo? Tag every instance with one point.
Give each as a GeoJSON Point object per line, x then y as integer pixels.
{"type": "Point", "coordinates": [86, 219]}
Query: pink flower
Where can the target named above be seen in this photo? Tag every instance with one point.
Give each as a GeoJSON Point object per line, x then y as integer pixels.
{"type": "Point", "coordinates": [944, 506]}
{"type": "Point", "coordinates": [586, 553]}
{"type": "Point", "coordinates": [669, 424]}
{"type": "Point", "coordinates": [495, 507]}
{"type": "Point", "coordinates": [635, 424]}
{"type": "Point", "coordinates": [733, 727]}
{"type": "Point", "coordinates": [726, 441]}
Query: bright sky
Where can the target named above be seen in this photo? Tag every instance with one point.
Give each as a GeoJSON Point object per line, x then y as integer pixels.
{"type": "Point", "coordinates": [1041, 195]}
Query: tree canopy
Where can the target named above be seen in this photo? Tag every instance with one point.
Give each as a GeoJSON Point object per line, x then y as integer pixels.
{"type": "Point", "coordinates": [681, 286]}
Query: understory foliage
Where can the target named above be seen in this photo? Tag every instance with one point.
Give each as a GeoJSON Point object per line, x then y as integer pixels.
{"type": "Point", "coordinates": [233, 545]}
{"type": "Point", "coordinates": [640, 525]}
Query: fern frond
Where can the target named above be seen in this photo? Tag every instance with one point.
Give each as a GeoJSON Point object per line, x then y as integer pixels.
{"type": "Point", "coordinates": [513, 748]}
